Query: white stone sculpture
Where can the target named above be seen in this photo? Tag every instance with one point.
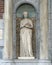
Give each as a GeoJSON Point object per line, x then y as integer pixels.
{"type": "Point", "coordinates": [26, 26]}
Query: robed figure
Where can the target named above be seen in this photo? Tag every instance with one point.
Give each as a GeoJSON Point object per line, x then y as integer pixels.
{"type": "Point", "coordinates": [26, 26]}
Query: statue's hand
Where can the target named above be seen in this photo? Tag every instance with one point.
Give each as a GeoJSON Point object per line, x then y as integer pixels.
{"type": "Point", "coordinates": [28, 25]}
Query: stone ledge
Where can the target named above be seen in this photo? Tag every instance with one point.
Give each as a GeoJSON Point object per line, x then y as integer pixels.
{"type": "Point", "coordinates": [26, 62]}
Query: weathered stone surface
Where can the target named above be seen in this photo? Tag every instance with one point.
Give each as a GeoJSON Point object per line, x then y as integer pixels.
{"type": "Point", "coordinates": [8, 37]}
{"type": "Point", "coordinates": [25, 62]}
{"type": "Point", "coordinates": [44, 29]}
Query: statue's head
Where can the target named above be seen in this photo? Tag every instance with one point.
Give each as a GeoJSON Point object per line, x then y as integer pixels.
{"type": "Point", "coordinates": [25, 14]}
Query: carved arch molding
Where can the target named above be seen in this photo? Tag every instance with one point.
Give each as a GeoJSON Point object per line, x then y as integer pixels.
{"type": "Point", "coordinates": [19, 16]}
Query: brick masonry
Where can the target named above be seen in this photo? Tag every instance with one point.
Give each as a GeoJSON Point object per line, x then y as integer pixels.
{"type": "Point", "coordinates": [1, 8]}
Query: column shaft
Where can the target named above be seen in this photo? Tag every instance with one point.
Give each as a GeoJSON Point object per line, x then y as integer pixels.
{"type": "Point", "coordinates": [44, 29]}
{"type": "Point", "coordinates": [8, 30]}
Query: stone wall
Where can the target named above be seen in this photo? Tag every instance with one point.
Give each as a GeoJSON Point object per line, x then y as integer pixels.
{"type": "Point", "coordinates": [49, 19]}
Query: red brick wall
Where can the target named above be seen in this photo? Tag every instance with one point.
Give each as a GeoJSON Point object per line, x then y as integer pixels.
{"type": "Point", "coordinates": [1, 8]}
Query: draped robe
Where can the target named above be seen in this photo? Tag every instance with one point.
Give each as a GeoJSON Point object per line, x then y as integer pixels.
{"type": "Point", "coordinates": [26, 26]}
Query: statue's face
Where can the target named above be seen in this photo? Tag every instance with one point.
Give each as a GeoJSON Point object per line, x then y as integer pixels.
{"type": "Point", "coordinates": [25, 14]}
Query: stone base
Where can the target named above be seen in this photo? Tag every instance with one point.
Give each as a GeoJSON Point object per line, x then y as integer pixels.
{"type": "Point", "coordinates": [26, 57]}
{"type": "Point", "coordinates": [25, 62]}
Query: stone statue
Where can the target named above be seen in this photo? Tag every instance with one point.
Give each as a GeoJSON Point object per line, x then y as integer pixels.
{"type": "Point", "coordinates": [26, 26]}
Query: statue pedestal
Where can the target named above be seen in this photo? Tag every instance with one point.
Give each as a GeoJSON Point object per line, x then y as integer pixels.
{"type": "Point", "coordinates": [26, 57]}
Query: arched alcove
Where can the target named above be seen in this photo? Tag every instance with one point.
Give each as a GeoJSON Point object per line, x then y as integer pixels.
{"type": "Point", "coordinates": [26, 7]}
{"type": "Point", "coordinates": [19, 16]}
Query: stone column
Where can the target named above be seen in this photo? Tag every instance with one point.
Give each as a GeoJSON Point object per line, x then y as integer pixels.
{"type": "Point", "coordinates": [8, 35]}
{"type": "Point", "coordinates": [44, 29]}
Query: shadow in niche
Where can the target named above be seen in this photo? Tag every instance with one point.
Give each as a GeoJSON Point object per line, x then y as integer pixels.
{"type": "Point", "coordinates": [18, 37]}
{"type": "Point", "coordinates": [32, 15]}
